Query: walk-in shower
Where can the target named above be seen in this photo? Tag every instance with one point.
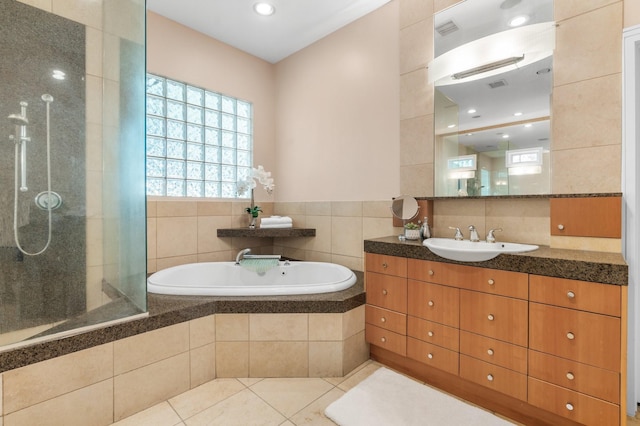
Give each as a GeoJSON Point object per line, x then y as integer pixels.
{"type": "Point", "coordinates": [72, 202]}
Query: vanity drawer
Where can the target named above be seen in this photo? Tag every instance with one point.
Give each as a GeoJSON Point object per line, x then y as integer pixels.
{"type": "Point", "coordinates": [592, 339]}
{"type": "Point", "coordinates": [389, 265]}
{"type": "Point", "coordinates": [583, 378]}
{"type": "Point", "coordinates": [494, 351]}
{"type": "Point", "coordinates": [387, 291]}
{"type": "Point", "coordinates": [433, 302]}
{"type": "Point", "coordinates": [384, 318]}
{"type": "Point", "coordinates": [493, 281]}
{"type": "Point", "coordinates": [585, 296]}
{"type": "Point", "coordinates": [433, 355]}
{"type": "Point", "coordinates": [433, 332]}
{"type": "Point", "coordinates": [492, 376]}
{"type": "Point", "coordinates": [386, 339]}
{"type": "Point", "coordinates": [572, 405]}
{"type": "Point", "coordinates": [498, 317]}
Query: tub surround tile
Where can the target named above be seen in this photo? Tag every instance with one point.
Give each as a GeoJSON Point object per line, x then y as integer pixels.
{"type": "Point", "coordinates": [278, 359]}
{"type": "Point", "coordinates": [325, 359]}
{"type": "Point", "coordinates": [232, 359]}
{"type": "Point", "coordinates": [202, 364]}
{"type": "Point", "coordinates": [355, 351]}
{"type": "Point", "coordinates": [346, 236]}
{"type": "Point", "coordinates": [325, 327]}
{"type": "Point", "coordinates": [177, 209]}
{"type": "Point", "coordinates": [318, 208]}
{"type": "Point", "coordinates": [278, 327]}
{"type": "Point", "coordinates": [177, 236]}
{"type": "Point", "coordinates": [90, 405]}
{"type": "Point", "coordinates": [149, 385]}
{"type": "Point", "coordinates": [168, 262]}
{"type": "Point", "coordinates": [232, 327]}
{"type": "Point", "coordinates": [353, 322]}
{"type": "Point", "coordinates": [202, 331]}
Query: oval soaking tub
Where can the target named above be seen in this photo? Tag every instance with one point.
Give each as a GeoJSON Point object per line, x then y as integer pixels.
{"type": "Point", "coordinates": [230, 279]}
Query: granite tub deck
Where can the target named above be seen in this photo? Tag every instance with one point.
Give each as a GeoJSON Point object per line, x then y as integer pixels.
{"type": "Point", "coordinates": [165, 311]}
{"type": "Point", "coordinates": [599, 267]}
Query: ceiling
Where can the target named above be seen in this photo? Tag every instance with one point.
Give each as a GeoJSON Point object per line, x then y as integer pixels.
{"type": "Point", "coordinates": [295, 24]}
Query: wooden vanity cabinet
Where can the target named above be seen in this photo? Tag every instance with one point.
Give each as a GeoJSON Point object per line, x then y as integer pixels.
{"type": "Point", "coordinates": [386, 308]}
{"type": "Point", "coordinates": [551, 347]}
{"type": "Point", "coordinates": [575, 344]}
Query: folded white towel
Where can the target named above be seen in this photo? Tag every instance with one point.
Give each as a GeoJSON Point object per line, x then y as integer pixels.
{"type": "Point", "coordinates": [273, 220]}
{"type": "Point", "coordinates": [276, 225]}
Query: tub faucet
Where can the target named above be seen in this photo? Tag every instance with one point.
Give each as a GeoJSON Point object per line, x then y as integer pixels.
{"type": "Point", "coordinates": [473, 234]}
{"type": "Point", "coordinates": [241, 254]}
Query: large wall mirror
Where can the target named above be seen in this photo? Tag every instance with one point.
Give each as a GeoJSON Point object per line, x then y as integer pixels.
{"type": "Point", "coordinates": [492, 73]}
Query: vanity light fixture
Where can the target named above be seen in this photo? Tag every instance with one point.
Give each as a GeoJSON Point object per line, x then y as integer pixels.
{"type": "Point", "coordinates": [264, 9]}
{"type": "Point", "coordinates": [518, 20]}
{"type": "Point", "coordinates": [487, 67]}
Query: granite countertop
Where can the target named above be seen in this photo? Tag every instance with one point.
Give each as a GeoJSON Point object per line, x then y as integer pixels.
{"type": "Point", "coordinates": [169, 310]}
{"type": "Point", "coordinates": [600, 267]}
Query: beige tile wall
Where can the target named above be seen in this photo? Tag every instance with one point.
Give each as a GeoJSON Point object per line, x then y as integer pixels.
{"type": "Point", "coordinates": [109, 382]}
{"type": "Point", "coordinates": [184, 231]}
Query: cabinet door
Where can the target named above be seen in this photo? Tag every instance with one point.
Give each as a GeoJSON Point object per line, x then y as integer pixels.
{"type": "Point", "coordinates": [498, 317]}
{"type": "Point", "coordinates": [433, 355]}
{"type": "Point", "coordinates": [585, 296]}
{"type": "Point", "coordinates": [586, 216]}
{"type": "Point", "coordinates": [387, 291]}
{"type": "Point", "coordinates": [386, 339]}
{"type": "Point", "coordinates": [433, 302]}
{"type": "Point", "coordinates": [494, 377]}
{"type": "Point", "coordinates": [572, 405]}
{"type": "Point", "coordinates": [494, 351]}
{"type": "Point", "coordinates": [583, 378]}
{"type": "Point", "coordinates": [434, 333]}
{"type": "Point", "coordinates": [383, 264]}
{"type": "Point", "coordinates": [384, 318]}
{"type": "Point", "coordinates": [593, 339]}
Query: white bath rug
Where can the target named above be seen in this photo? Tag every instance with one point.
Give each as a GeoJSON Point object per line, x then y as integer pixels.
{"type": "Point", "coordinates": [387, 398]}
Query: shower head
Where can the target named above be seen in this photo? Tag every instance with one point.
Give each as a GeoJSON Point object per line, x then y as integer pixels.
{"type": "Point", "coordinates": [47, 97]}
{"type": "Point", "coordinates": [18, 120]}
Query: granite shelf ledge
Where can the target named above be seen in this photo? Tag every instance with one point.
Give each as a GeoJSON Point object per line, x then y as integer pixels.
{"type": "Point", "coordinates": [266, 232]}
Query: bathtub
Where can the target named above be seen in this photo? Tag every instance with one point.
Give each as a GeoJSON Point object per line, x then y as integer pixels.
{"type": "Point", "coordinates": [229, 279]}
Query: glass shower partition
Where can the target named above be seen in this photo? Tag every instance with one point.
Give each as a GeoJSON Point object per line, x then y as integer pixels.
{"type": "Point", "coordinates": [72, 181]}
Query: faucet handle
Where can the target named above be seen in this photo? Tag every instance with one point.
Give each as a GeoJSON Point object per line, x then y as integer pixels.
{"type": "Point", "coordinates": [490, 237]}
{"type": "Point", "coordinates": [458, 235]}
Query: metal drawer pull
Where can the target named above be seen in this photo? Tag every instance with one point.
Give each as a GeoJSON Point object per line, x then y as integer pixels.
{"type": "Point", "coordinates": [383, 339]}
{"type": "Point", "coordinates": [384, 266]}
{"type": "Point", "coordinates": [569, 406]}
{"type": "Point", "coordinates": [431, 272]}
{"type": "Point", "coordinates": [430, 303]}
{"type": "Point", "coordinates": [561, 227]}
{"type": "Point", "coordinates": [570, 376]}
{"type": "Point", "coordinates": [490, 317]}
{"type": "Point", "coordinates": [490, 351]}
{"type": "Point", "coordinates": [491, 282]}
{"type": "Point", "coordinates": [383, 319]}
{"type": "Point", "coordinates": [571, 336]}
{"type": "Point", "coordinates": [430, 356]}
{"type": "Point", "coordinates": [571, 294]}
{"type": "Point", "coordinates": [430, 334]}
{"type": "Point", "coordinates": [490, 377]}
{"type": "Point", "coordinates": [384, 291]}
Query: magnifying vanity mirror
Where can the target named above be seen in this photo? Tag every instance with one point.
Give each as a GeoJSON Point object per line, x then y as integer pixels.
{"type": "Point", "coordinates": [492, 74]}
{"type": "Point", "coordinates": [405, 207]}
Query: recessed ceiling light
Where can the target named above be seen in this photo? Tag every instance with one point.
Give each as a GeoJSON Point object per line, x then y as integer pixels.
{"type": "Point", "coordinates": [505, 136]}
{"type": "Point", "coordinates": [517, 114]}
{"type": "Point", "coordinates": [518, 20]}
{"type": "Point", "coordinates": [528, 125]}
{"type": "Point", "coordinates": [264, 9]}
{"type": "Point", "coordinates": [451, 126]}
{"type": "Point", "coordinates": [471, 111]}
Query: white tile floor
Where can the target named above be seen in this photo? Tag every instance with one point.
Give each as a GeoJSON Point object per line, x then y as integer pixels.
{"type": "Point", "coordinates": [247, 402]}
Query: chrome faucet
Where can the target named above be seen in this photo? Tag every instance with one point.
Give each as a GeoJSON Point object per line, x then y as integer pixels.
{"type": "Point", "coordinates": [490, 237]}
{"type": "Point", "coordinates": [241, 254]}
{"type": "Point", "coordinates": [473, 234]}
{"type": "Point", "coordinates": [458, 236]}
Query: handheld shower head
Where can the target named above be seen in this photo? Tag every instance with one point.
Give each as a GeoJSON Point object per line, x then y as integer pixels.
{"type": "Point", "coordinates": [18, 120]}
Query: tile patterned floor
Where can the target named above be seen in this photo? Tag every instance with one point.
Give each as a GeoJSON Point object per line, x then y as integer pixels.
{"type": "Point", "coordinates": [255, 402]}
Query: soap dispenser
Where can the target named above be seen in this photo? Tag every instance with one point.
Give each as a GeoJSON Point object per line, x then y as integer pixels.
{"type": "Point", "coordinates": [424, 229]}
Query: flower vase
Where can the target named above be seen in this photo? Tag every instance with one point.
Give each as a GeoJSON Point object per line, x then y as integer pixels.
{"type": "Point", "coordinates": [252, 224]}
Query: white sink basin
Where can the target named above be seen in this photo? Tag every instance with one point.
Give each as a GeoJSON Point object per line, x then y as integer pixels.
{"type": "Point", "coordinates": [466, 251]}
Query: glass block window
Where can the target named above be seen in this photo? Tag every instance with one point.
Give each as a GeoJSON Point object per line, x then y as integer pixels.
{"type": "Point", "coordinates": [199, 142]}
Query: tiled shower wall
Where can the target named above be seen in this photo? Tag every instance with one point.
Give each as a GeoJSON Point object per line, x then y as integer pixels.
{"type": "Point", "coordinates": [184, 231]}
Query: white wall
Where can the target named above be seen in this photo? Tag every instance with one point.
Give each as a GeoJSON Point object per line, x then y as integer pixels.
{"type": "Point", "coordinates": [337, 114]}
